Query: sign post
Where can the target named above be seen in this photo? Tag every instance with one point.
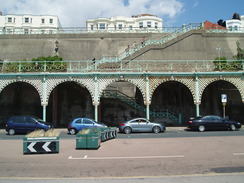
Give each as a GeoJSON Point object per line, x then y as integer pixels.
{"type": "Point", "coordinates": [224, 102]}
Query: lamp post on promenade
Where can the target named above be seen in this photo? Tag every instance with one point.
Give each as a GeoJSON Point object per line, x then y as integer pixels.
{"type": "Point", "coordinates": [218, 49]}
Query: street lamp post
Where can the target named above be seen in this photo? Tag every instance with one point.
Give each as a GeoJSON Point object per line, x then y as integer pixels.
{"type": "Point", "coordinates": [218, 49]}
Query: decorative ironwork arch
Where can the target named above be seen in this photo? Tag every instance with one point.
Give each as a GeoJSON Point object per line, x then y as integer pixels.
{"type": "Point", "coordinates": [139, 82]}
{"type": "Point", "coordinates": [207, 81]}
{"type": "Point", "coordinates": [80, 81]}
{"type": "Point", "coordinates": [188, 82]}
{"type": "Point", "coordinates": [36, 83]}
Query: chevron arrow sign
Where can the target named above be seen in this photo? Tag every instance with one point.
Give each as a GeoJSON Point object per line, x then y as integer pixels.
{"type": "Point", "coordinates": [38, 147]}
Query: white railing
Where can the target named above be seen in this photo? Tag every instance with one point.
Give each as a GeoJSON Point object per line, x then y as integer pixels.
{"type": "Point", "coordinates": [81, 30]}
{"type": "Point", "coordinates": [122, 66]}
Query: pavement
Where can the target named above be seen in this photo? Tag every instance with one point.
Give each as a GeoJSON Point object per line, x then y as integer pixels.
{"type": "Point", "coordinates": [182, 128]}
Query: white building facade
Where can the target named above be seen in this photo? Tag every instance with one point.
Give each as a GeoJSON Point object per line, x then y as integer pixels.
{"type": "Point", "coordinates": [236, 24]}
{"type": "Point", "coordinates": [29, 24]}
{"type": "Point", "coordinates": [137, 23]}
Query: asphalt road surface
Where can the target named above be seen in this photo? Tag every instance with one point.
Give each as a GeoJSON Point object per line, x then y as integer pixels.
{"type": "Point", "coordinates": [171, 132]}
{"type": "Point", "coordinates": [210, 178]}
{"type": "Point", "coordinates": [175, 156]}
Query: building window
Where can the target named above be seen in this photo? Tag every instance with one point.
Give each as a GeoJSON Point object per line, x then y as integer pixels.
{"type": "Point", "coordinates": [149, 24]}
{"type": "Point", "coordinates": [27, 20]}
{"type": "Point", "coordinates": [10, 19]}
{"type": "Point", "coordinates": [9, 31]}
{"type": "Point", "coordinates": [43, 20]}
{"type": "Point", "coordinates": [51, 21]}
{"type": "Point", "coordinates": [102, 26]}
{"type": "Point", "coordinates": [140, 25]}
{"type": "Point", "coordinates": [236, 28]}
{"type": "Point", "coordinates": [120, 26]}
{"type": "Point", "coordinates": [156, 25]}
{"type": "Point", "coordinates": [26, 31]}
{"type": "Point", "coordinates": [92, 27]}
{"type": "Point", "coordinates": [130, 27]}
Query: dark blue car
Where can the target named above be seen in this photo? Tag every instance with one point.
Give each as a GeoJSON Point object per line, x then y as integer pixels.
{"type": "Point", "coordinates": [25, 124]}
{"type": "Point", "coordinates": [212, 122]}
{"type": "Point", "coordinates": [79, 123]}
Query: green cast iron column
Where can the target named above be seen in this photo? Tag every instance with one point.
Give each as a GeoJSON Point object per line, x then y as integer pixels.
{"type": "Point", "coordinates": [197, 95]}
{"type": "Point", "coordinates": [147, 97]}
{"type": "Point", "coordinates": [44, 104]}
{"type": "Point", "coordinates": [95, 101]}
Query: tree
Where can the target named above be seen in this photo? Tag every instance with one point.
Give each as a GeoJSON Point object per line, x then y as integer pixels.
{"type": "Point", "coordinates": [240, 52]}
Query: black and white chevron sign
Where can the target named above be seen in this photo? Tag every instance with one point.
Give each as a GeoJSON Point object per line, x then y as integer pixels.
{"type": "Point", "coordinates": [38, 147]}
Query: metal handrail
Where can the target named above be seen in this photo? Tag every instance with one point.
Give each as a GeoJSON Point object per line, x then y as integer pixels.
{"type": "Point", "coordinates": [122, 66]}
{"type": "Point", "coordinates": [131, 101]}
{"type": "Point", "coordinates": [149, 41]}
{"type": "Point", "coordinates": [85, 30]}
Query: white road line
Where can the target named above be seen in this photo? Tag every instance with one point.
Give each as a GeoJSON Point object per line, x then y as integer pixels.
{"type": "Point", "coordinates": [238, 154]}
{"type": "Point", "coordinates": [135, 157]}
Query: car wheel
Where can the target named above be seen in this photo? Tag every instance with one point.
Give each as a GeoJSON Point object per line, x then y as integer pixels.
{"type": "Point", "coordinates": [232, 127]}
{"type": "Point", "coordinates": [201, 128]}
{"type": "Point", "coordinates": [156, 129]}
{"type": "Point", "coordinates": [11, 131]}
{"type": "Point", "coordinates": [127, 130]}
{"type": "Point", "coordinates": [72, 131]}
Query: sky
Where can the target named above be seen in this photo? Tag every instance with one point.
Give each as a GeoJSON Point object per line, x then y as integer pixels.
{"type": "Point", "coordinates": [175, 13]}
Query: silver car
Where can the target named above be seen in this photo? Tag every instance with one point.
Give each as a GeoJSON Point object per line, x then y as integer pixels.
{"type": "Point", "coordinates": [141, 125]}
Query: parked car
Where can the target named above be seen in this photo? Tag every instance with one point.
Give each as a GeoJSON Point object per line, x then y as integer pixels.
{"type": "Point", "coordinates": [141, 125]}
{"type": "Point", "coordinates": [79, 123]}
{"type": "Point", "coordinates": [212, 122]}
{"type": "Point", "coordinates": [25, 124]}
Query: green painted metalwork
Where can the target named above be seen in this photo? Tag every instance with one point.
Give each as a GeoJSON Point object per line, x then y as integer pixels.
{"type": "Point", "coordinates": [149, 41]}
{"type": "Point", "coordinates": [122, 66]}
{"type": "Point", "coordinates": [131, 101]}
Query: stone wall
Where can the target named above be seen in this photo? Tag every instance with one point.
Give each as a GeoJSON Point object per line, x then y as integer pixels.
{"type": "Point", "coordinates": [192, 45]}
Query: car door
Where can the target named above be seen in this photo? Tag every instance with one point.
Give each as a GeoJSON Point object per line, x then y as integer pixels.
{"type": "Point", "coordinates": [134, 125]}
{"type": "Point", "coordinates": [219, 122]}
{"type": "Point", "coordinates": [208, 122]}
{"type": "Point", "coordinates": [87, 123]}
{"type": "Point", "coordinates": [78, 123]}
{"type": "Point", "coordinates": [31, 124]}
{"type": "Point", "coordinates": [19, 124]}
{"type": "Point", "coordinates": [144, 125]}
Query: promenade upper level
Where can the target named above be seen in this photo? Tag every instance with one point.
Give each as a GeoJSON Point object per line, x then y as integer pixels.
{"type": "Point", "coordinates": [85, 30]}
{"type": "Point", "coordinates": [124, 66]}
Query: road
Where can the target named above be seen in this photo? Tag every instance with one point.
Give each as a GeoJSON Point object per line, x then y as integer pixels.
{"type": "Point", "coordinates": [198, 178]}
{"type": "Point", "coordinates": [172, 132]}
{"type": "Point", "coordinates": [215, 155]}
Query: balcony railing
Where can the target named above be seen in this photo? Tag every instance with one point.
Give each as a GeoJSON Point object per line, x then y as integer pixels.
{"type": "Point", "coordinates": [121, 66]}
{"type": "Point", "coordinates": [85, 30]}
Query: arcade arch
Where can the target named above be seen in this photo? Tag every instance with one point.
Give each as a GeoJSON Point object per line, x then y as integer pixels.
{"type": "Point", "coordinates": [175, 97]}
{"type": "Point", "coordinates": [69, 100]}
{"type": "Point", "coordinates": [19, 98]}
{"type": "Point", "coordinates": [120, 101]}
{"type": "Point", "coordinates": [211, 100]}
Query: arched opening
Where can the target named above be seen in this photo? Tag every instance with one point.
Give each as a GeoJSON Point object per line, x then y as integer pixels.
{"type": "Point", "coordinates": [211, 100]}
{"type": "Point", "coordinates": [121, 101]}
{"type": "Point", "coordinates": [67, 101]}
{"type": "Point", "coordinates": [173, 97]}
{"type": "Point", "coordinates": [19, 98]}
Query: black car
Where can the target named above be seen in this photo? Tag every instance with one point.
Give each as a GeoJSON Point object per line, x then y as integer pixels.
{"type": "Point", "coordinates": [212, 122]}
